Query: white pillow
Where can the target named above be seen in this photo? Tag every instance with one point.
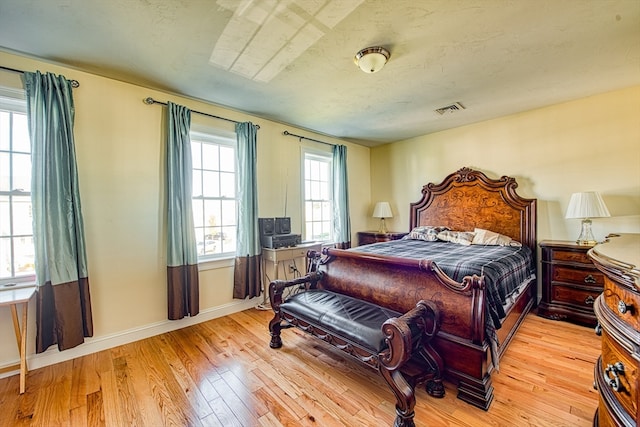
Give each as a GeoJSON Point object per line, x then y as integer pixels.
{"type": "Point", "coordinates": [491, 238]}
{"type": "Point", "coordinates": [459, 237]}
{"type": "Point", "coordinates": [425, 232]}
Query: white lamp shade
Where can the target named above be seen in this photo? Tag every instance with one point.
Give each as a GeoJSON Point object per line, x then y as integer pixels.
{"type": "Point", "coordinates": [587, 205]}
{"type": "Point", "coordinates": [382, 210]}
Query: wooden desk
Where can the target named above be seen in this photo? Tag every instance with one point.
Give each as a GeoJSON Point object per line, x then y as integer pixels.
{"type": "Point", "coordinates": [277, 257]}
{"type": "Point", "coordinates": [14, 298]}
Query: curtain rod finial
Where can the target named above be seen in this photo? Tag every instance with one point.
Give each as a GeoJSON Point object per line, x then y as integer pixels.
{"type": "Point", "coordinates": [148, 100]}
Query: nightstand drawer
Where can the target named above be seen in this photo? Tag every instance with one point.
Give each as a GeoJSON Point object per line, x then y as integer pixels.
{"type": "Point", "coordinates": [570, 256]}
{"type": "Point", "coordinates": [570, 282]}
{"type": "Point", "coordinates": [578, 276]}
{"type": "Point", "coordinates": [368, 237]}
{"type": "Point", "coordinates": [575, 296]}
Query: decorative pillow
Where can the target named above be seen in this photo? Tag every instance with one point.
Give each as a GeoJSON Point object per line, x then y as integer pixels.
{"type": "Point", "coordinates": [491, 238]}
{"type": "Point", "coordinates": [426, 233]}
{"type": "Point", "coordinates": [459, 237]}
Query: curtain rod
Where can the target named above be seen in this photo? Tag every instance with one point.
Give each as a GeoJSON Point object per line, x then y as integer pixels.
{"type": "Point", "coordinates": [287, 133]}
{"type": "Point", "coordinates": [149, 101]}
{"type": "Point", "coordinates": [74, 83]}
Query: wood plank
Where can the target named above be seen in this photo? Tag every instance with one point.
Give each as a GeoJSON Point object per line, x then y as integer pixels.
{"type": "Point", "coordinates": [169, 397]}
{"type": "Point", "coordinates": [241, 409]}
{"type": "Point", "coordinates": [143, 390]}
{"type": "Point", "coordinates": [95, 410]}
{"type": "Point", "coordinates": [52, 405]}
{"type": "Point", "coordinates": [224, 414]}
{"type": "Point", "coordinates": [128, 404]}
{"type": "Point", "coordinates": [170, 350]}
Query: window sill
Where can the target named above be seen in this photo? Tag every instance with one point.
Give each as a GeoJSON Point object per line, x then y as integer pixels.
{"type": "Point", "coordinates": [213, 264]}
{"type": "Point", "coordinates": [17, 285]}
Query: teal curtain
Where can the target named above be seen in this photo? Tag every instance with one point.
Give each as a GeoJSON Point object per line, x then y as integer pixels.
{"type": "Point", "coordinates": [247, 273]}
{"type": "Point", "coordinates": [341, 217]}
{"type": "Point", "coordinates": [63, 302]}
{"type": "Point", "coordinates": [182, 258]}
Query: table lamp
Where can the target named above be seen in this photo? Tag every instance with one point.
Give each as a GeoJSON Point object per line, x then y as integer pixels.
{"type": "Point", "coordinates": [382, 211]}
{"type": "Point", "coordinates": [586, 205]}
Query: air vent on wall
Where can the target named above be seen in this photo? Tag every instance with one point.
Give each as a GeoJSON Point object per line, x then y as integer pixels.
{"type": "Point", "coordinates": [450, 108]}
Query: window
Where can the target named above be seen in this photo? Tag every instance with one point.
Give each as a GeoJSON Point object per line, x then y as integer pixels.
{"type": "Point", "coordinates": [214, 194]}
{"type": "Point", "coordinates": [318, 199]}
{"type": "Point", "coordinates": [16, 228]}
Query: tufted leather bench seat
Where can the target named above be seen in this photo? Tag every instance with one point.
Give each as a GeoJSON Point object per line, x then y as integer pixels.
{"type": "Point", "coordinates": [357, 321]}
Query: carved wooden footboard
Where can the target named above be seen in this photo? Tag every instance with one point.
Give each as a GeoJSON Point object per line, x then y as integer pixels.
{"type": "Point", "coordinates": [397, 283]}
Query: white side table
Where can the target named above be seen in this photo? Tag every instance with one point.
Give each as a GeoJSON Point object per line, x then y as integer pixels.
{"type": "Point", "coordinates": [15, 298]}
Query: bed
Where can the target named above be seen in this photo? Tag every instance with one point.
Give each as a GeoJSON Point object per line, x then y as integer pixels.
{"type": "Point", "coordinates": [478, 322]}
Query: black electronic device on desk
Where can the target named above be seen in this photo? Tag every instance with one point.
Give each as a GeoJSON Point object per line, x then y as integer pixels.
{"type": "Point", "coordinates": [275, 233]}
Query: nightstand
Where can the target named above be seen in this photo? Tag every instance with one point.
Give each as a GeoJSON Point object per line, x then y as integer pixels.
{"type": "Point", "coordinates": [570, 283]}
{"type": "Point", "coordinates": [368, 237]}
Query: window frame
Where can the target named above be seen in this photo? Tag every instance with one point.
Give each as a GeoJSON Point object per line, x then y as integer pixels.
{"type": "Point", "coordinates": [220, 138]}
{"type": "Point", "coordinates": [324, 156]}
{"type": "Point", "coordinates": [13, 101]}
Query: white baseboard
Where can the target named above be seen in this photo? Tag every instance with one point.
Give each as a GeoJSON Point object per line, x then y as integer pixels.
{"type": "Point", "coordinates": [93, 345]}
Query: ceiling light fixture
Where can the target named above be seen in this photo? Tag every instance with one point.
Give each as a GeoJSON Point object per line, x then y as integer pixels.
{"type": "Point", "coordinates": [372, 59]}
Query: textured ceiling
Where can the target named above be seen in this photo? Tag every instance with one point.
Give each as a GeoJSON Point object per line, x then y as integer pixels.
{"type": "Point", "coordinates": [292, 61]}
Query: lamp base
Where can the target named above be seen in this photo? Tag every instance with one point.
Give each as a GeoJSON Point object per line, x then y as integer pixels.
{"type": "Point", "coordinates": [383, 227]}
{"type": "Point", "coordinates": [586, 236]}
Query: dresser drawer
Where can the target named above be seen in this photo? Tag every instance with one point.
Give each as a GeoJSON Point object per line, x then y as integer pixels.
{"type": "Point", "coordinates": [614, 356]}
{"type": "Point", "coordinates": [579, 297]}
{"type": "Point", "coordinates": [609, 412]}
{"type": "Point", "coordinates": [623, 303]}
{"type": "Point", "coordinates": [588, 277]}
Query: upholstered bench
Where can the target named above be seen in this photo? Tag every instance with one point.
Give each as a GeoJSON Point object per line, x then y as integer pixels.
{"type": "Point", "coordinates": [397, 345]}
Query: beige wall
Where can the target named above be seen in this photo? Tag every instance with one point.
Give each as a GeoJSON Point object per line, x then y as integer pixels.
{"type": "Point", "coordinates": [584, 145]}
{"type": "Point", "coordinates": [119, 143]}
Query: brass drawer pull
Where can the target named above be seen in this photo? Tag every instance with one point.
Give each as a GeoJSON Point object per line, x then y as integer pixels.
{"type": "Point", "coordinates": [615, 369]}
{"type": "Point", "coordinates": [589, 300]}
{"type": "Point", "coordinates": [623, 307]}
{"type": "Point", "coordinates": [589, 279]}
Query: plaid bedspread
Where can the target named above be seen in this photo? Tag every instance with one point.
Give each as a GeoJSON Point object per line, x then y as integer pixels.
{"type": "Point", "coordinates": [504, 268]}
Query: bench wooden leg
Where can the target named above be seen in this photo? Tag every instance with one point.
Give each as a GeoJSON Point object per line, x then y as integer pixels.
{"type": "Point", "coordinates": [275, 327]}
{"type": "Point", "coordinates": [405, 397]}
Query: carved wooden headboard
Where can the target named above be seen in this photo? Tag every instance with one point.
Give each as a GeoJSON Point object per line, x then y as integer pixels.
{"type": "Point", "coordinates": [467, 199]}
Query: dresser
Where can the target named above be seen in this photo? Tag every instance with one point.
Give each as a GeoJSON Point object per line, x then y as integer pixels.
{"type": "Point", "coordinates": [570, 282]}
{"type": "Point", "coordinates": [617, 371]}
{"type": "Point", "coordinates": [368, 237]}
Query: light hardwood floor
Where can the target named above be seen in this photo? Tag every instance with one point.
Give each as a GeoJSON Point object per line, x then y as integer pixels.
{"type": "Point", "coordinates": [223, 373]}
